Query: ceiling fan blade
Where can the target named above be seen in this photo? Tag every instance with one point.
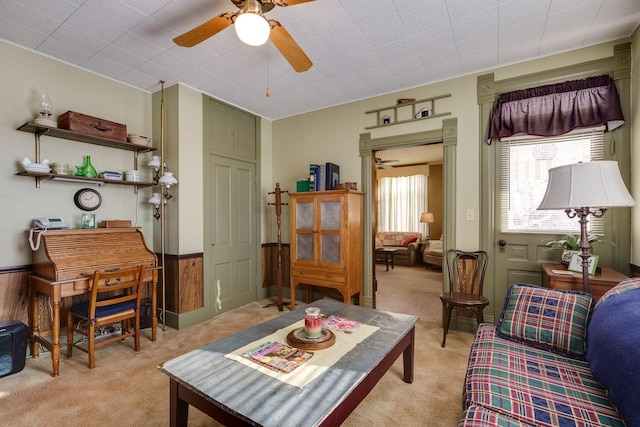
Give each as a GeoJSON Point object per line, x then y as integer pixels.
{"type": "Point", "coordinates": [289, 48]}
{"type": "Point", "coordinates": [204, 31]}
{"type": "Point", "coordinates": [289, 2]}
{"type": "Point", "coordinates": [382, 163]}
{"type": "Point", "coordinates": [390, 161]}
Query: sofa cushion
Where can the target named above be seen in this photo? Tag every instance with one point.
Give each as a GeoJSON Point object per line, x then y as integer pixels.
{"type": "Point", "coordinates": [535, 386]}
{"type": "Point", "coordinates": [409, 240]}
{"type": "Point", "coordinates": [396, 238]}
{"type": "Point", "coordinates": [613, 347]}
{"type": "Point", "coordinates": [378, 243]}
{"type": "Point", "coordinates": [544, 318]}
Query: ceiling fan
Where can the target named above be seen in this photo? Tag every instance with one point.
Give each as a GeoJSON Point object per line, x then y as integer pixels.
{"type": "Point", "coordinates": [252, 28]}
{"type": "Point", "coordinates": [383, 163]}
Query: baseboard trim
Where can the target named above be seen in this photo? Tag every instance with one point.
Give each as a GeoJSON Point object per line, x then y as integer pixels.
{"type": "Point", "coordinates": [468, 324]}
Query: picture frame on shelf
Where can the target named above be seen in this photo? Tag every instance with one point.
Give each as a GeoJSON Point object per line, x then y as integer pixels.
{"type": "Point", "coordinates": [576, 264]}
{"type": "Point", "coordinates": [424, 112]}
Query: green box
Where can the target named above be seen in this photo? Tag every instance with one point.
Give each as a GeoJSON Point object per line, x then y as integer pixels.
{"type": "Point", "coordinates": [302, 186]}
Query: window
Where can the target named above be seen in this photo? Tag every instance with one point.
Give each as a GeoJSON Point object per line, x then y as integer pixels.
{"type": "Point", "coordinates": [401, 201]}
{"type": "Point", "coordinates": [525, 162]}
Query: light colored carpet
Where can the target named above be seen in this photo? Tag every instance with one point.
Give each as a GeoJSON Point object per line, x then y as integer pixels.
{"type": "Point", "coordinates": [410, 290]}
{"type": "Point", "coordinates": [127, 389]}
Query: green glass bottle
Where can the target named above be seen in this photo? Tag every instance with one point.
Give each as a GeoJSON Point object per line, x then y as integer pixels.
{"type": "Point", "coordinates": [89, 170]}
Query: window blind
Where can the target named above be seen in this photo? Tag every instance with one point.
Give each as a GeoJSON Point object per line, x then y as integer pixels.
{"type": "Point", "coordinates": [524, 165]}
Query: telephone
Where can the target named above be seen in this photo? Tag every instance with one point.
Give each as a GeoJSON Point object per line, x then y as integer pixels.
{"type": "Point", "coordinates": [45, 224]}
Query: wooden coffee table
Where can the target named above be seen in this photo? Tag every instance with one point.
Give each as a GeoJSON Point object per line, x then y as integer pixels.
{"type": "Point", "coordinates": [235, 394]}
{"type": "Point", "coordinates": [387, 253]}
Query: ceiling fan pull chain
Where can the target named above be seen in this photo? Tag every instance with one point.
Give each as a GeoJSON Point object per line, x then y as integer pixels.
{"type": "Point", "coordinates": [268, 92]}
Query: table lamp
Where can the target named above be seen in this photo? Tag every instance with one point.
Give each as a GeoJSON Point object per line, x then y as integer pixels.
{"type": "Point", "coordinates": [428, 218]}
{"type": "Point", "coordinates": [584, 189]}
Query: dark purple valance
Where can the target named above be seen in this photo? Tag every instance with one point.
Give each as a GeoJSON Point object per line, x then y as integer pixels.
{"type": "Point", "coordinates": [556, 109]}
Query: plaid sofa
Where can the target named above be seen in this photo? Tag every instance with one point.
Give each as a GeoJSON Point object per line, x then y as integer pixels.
{"type": "Point", "coordinates": [555, 358]}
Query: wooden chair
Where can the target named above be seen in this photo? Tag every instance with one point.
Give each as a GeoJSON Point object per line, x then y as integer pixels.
{"type": "Point", "coordinates": [115, 297]}
{"type": "Point", "coordinates": [466, 279]}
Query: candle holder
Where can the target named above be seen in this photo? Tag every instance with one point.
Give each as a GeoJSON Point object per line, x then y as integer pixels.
{"type": "Point", "coordinates": [88, 221]}
{"type": "Point", "coordinates": [312, 323]}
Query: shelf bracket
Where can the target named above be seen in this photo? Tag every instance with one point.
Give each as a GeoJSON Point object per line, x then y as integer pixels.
{"type": "Point", "coordinates": [77, 179]}
{"type": "Point", "coordinates": [36, 137]}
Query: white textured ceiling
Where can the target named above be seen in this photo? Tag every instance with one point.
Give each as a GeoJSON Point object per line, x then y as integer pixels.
{"type": "Point", "coordinates": [359, 48]}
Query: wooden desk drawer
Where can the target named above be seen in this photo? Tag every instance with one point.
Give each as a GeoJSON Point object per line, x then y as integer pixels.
{"type": "Point", "coordinates": [319, 275]}
{"type": "Point", "coordinates": [82, 285]}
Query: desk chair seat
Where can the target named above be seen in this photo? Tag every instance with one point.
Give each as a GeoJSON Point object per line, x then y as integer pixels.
{"type": "Point", "coordinates": [115, 298]}
{"type": "Point", "coordinates": [466, 279]}
{"type": "Point", "coordinates": [82, 310]}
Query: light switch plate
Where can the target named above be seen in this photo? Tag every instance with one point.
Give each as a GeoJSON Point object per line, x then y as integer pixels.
{"type": "Point", "coordinates": [470, 215]}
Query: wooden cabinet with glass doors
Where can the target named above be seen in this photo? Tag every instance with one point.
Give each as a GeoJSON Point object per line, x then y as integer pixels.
{"type": "Point", "coordinates": [326, 242]}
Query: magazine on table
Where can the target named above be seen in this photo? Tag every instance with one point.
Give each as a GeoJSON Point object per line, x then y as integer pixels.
{"type": "Point", "coordinates": [278, 356]}
{"type": "Point", "coordinates": [341, 324]}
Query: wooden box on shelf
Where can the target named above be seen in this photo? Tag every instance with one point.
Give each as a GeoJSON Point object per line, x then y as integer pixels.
{"type": "Point", "coordinates": [115, 223]}
{"type": "Point", "coordinates": [93, 126]}
{"type": "Point", "coordinates": [347, 186]}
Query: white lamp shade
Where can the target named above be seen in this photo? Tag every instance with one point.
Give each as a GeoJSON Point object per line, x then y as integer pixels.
{"type": "Point", "coordinates": [168, 179]}
{"type": "Point", "coordinates": [154, 199]}
{"type": "Point", "coordinates": [427, 217]}
{"type": "Point", "coordinates": [154, 162]}
{"type": "Point", "coordinates": [591, 184]}
{"type": "Point", "coordinates": [252, 29]}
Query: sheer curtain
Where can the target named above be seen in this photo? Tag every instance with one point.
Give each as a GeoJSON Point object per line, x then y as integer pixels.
{"type": "Point", "coordinates": [401, 200]}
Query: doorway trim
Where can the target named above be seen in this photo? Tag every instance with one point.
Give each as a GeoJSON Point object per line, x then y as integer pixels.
{"type": "Point", "coordinates": [448, 136]}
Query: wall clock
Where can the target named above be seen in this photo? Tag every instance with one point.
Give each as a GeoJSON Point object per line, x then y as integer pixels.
{"type": "Point", "coordinates": [87, 199]}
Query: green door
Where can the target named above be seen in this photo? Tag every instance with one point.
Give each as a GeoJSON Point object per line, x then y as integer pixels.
{"type": "Point", "coordinates": [231, 236]}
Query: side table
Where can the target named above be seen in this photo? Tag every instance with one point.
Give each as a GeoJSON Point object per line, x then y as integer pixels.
{"type": "Point", "coordinates": [598, 284]}
{"type": "Point", "coordinates": [388, 256]}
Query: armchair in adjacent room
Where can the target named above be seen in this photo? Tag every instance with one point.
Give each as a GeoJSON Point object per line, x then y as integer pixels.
{"type": "Point", "coordinates": [432, 254]}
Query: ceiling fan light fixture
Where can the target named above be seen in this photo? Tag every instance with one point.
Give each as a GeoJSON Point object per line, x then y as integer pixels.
{"type": "Point", "coordinates": [251, 27]}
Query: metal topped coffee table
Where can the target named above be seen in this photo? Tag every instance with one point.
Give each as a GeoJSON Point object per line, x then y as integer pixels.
{"type": "Point", "coordinates": [235, 394]}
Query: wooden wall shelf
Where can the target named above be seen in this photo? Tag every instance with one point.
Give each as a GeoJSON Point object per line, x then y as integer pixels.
{"type": "Point", "coordinates": [80, 137]}
{"type": "Point", "coordinates": [83, 179]}
{"type": "Point", "coordinates": [39, 130]}
{"type": "Point", "coordinates": [426, 102]}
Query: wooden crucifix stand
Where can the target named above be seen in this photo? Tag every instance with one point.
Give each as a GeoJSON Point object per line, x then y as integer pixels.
{"type": "Point", "coordinates": [278, 204]}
